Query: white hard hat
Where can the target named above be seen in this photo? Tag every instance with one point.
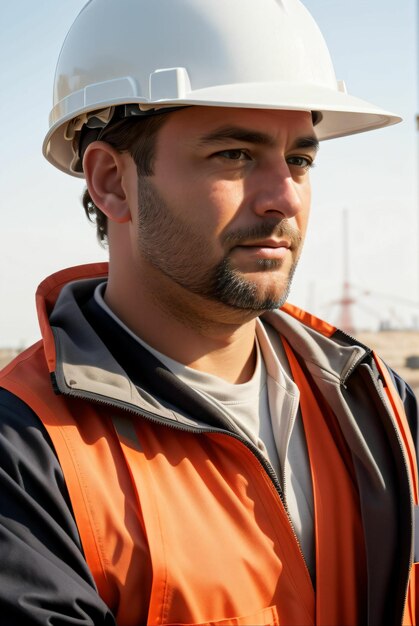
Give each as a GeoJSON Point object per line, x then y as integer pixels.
{"type": "Point", "coordinates": [264, 54]}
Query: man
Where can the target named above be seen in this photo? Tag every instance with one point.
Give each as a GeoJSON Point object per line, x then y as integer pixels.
{"type": "Point", "coordinates": [176, 449]}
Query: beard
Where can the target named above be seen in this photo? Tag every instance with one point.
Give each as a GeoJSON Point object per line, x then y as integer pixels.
{"type": "Point", "coordinates": [171, 245]}
{"type": "Point", "coordinates": [232, 288]}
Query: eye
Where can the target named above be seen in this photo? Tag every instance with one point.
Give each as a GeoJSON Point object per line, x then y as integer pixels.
{"type": "Point", "coordinates": [234, 154]}
{"type": "Point", "coordinates": [303, 162]}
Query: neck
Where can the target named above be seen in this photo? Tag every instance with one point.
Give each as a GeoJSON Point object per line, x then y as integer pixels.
{"type": "Point", "coordinates": [203, 335]}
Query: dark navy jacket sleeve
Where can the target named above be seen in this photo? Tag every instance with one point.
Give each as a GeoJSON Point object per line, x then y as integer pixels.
{"type": "Point", "coordinates": [44, 578]}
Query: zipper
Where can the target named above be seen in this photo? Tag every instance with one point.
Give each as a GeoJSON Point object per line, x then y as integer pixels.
{"type": "Point", "coordinates": [161, 421]}
{"type": "Point", "coordinates": [353, 342]}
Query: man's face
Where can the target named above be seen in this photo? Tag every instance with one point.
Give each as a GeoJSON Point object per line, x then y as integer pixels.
{"type": "Point", "coordinates": [225, 213]}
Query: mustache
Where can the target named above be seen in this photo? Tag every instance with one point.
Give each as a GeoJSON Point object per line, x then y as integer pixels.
{"type": "Point", "coordinates": [264, 230]}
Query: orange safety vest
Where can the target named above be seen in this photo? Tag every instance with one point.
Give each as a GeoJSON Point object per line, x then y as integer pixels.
{"type": "Point", "coordinates": [184, 527]}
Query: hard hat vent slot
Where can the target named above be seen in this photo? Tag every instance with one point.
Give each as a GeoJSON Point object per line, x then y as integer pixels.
{"type": "Point", "coordinates": [105, 91]}
{"type": "Point", "coordinates": [169, 84]}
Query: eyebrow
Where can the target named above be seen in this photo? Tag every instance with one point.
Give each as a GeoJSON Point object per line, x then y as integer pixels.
{"type": "Point", "coordinates": [239, 133]}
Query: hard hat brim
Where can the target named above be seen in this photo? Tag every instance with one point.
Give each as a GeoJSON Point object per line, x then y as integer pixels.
{"type": "Point", "coordinates": [341, 114]}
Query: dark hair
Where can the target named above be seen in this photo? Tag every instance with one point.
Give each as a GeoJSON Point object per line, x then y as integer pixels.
{"type": "Point", "coordinates": [138, 138]}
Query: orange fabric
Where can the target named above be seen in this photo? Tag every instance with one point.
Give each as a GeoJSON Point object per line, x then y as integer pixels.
{"type": "Point", "coordinates": [410, 608]}
{"type": "Point", "coordinates": [309, 320]}
{"type": "Point", "coordinates": [411, 613]}
{"type": "Point", "coordinates": [340, 552]}
{"type": "Point", "coordinates": [220, 540]}
{"type": "Point", "coordinates": [215, 534]}
{"type": "Point", "coordinates": [104, 504]}
{"type": "Point", "coordinates": [47, 294]}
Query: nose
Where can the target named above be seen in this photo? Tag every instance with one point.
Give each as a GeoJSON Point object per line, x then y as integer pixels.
{"type": "Point", "coordinates": [277, 193]}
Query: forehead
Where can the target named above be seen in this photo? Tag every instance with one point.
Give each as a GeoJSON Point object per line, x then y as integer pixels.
{"type": "Point", "coordinates": [196, 122]}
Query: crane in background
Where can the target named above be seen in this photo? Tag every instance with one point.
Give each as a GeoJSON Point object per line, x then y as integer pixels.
{"type": "Point", "coordinates": [372, 302]}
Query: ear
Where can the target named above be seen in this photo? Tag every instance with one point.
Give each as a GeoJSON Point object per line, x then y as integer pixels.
{"type": "Point", "coordinates": [104, 169]}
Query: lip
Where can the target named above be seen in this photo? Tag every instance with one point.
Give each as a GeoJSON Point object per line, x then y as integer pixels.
{"type": "Point", "coordinates": [267, 248]}
{"type": "Point", "coordinates": [267, 243]}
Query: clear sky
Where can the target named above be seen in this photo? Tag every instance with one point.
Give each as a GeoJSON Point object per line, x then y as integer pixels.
{"type": "Point", "coordinates": [372, 176]}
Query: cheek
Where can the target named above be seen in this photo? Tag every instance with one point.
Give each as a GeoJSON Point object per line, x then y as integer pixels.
{"type": "Point", "coordinates": [224, 204]}
{"type": "Point", "coordinates": [208, 209]}
{"type": "Point", "coordinates": [303, 216]}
